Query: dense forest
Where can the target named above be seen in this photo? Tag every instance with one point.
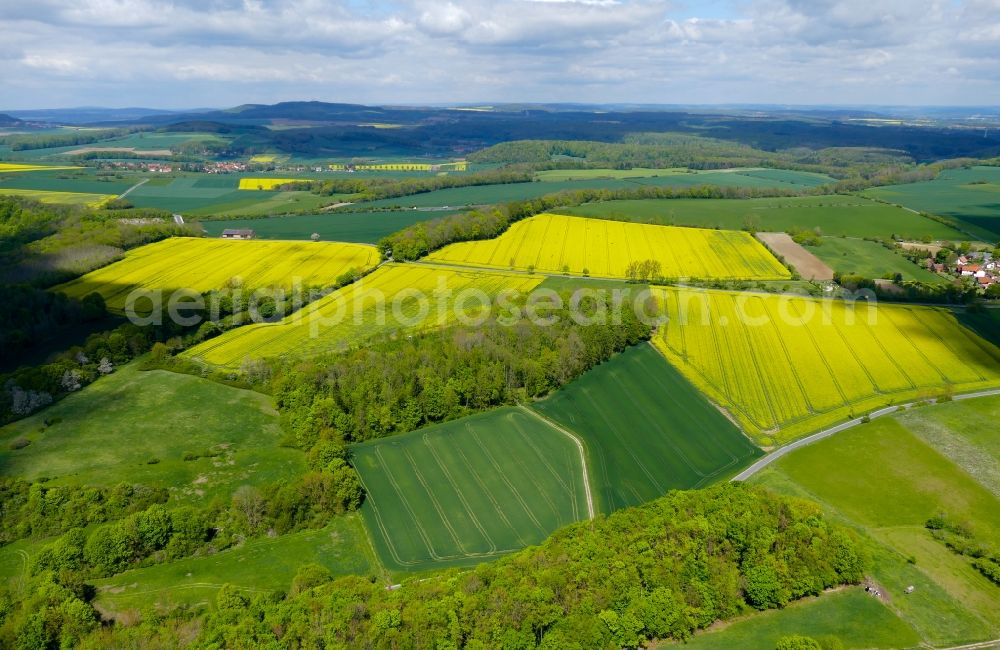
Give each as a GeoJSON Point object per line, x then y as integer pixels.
{"type": "Point", "coordinates": [372, 189]}
{"type": "Point", "coordinates": [661, 570]}
{"type": "Point", "coordinates": [42, 244]}
{"type": "Point", "coordinates": [339, 129]}
{"type": "Point", "coordinates": [398, 385]}
{"type": "Point", "coordinates": [48, 140]}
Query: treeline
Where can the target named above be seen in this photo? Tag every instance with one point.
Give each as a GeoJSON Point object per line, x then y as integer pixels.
{"type": "Point", "coordinates": [413, 242]}
{"type": "Point", "coordinates": [659, 571]}
{"type": "Point", "coordinates": [658, 151]}
{"type": "Point", "coordinates": [901, 290]}
{"type": "Point", "coordinates": [37, 510]}
{"type": "Point", "coordinates": [655, 150]}
{"type": "Point", "coordinates": [902, 174]}
{"type": "Point", "coordinates": [23, 220]}
{"type": "Point", "coordinates": [50, 140]}
{"type": "Point", "coordinates": [103, 532]}
{"type": "Point", "coordinates": [32, 317]}
{"type": "Point", "coordinates": [373, 189]}
{"type": "Point", "coordinates": [28, 389]}
{"type": "Point", "coordinates": [983, 556]}
{"type": "Point", "coordinates": [157, 534]}
{"type": "Point", "coordinates": [42, 245]}
{"type": "Point", "coordinates": [398, 385]}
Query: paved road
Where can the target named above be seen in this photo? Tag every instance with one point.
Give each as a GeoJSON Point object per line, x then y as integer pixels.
{"type": "Point", "coordinates": [826, 433]}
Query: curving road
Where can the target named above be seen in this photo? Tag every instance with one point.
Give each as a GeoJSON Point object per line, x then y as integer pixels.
{"type": "Point", "coordinates": [826, 433]}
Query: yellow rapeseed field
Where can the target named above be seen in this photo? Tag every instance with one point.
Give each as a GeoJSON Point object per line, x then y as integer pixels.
{"type": "Point", "coordinates": [387, 167]}
{"type": "Point", "coordinates": [204, 264]}
{"type": "Point", "coordinates": [352, 314]}
{"type": "Point", "coordinates": [263, 158]}
{"type": "Point", "coordinates": [784, 366]}
{"type": "Point", "coordinates": [20, 167]}
{"type": "Point", "coordinates": [396, 167]}
{"type": "Point", "coordinates": [64, 198]}
{"type": "Point", "coordinates": [555, 244]}
{"type": "Point", "coordinates": [267, 183]}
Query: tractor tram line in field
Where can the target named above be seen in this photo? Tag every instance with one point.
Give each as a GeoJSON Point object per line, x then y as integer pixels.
{"type": "Point", "coordinates": [654, 418]}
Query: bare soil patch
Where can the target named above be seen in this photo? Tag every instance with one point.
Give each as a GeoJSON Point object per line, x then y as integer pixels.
{"type": "Point", "coordinates": [805, 263]}
{"type": "Point", "coordinates": [918, 246]}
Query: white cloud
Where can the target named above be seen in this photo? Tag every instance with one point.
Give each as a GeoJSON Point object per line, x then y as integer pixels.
{"type": "Point", "coordinates": [220, 52]}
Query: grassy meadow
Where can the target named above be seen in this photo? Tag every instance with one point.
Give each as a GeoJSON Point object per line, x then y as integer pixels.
{"type": "Point", "coordinates": [554, 243]}
{"type": "Point", "coordinates": [869, 259]}
{"type": "Point", "coordinates": [784, 366]}
{"type": "Point", "coordinates": [469, 490]}
{"type": "Point", "coordinates": [359, 227]}
{"type": "Point", "coordinates": [558, 175]}
{"type": "Point", "coordinates": [969, 195]}
{"type": "Point", "coordinates": [136, 427]}
{"type": "Point", "coordinates": [646, 430]}
{"type": "Point", "coordinates": [197, 195]}
{"type": "Point", "coordinates": [891, 476]}
{"type": "Point", "coordinates": [850, 616]}
{"type": "Point", "coordinates": [259, 565]}
{"type": "Point", "coordinates": [841, 216]}
{"type": "Point", "coordinates": [74, 181]}
{"type": "Point", "coordinates": [965, 432]}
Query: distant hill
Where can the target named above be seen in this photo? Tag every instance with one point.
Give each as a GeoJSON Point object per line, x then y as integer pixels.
{"type": "Point", "coordinates": [7, 120]}
{"type": "Point", "coordinates": [321, 129]}
{"type": "Point", "coordinates": [93, 114]}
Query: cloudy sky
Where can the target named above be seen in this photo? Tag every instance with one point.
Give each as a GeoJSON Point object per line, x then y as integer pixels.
{"type": "Point", "coordinates": [216, 53]}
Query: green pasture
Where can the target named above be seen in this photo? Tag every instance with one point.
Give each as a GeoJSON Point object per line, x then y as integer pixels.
{"type": "Point", "coordinates": [210, 195]}
{"type": "Point", "coordinates": [85, 181]}
{"type": "Point", "coordinates": [966, 432]}
{"type": "Point", "coordinates": [791, 177]}
{"type": "Point", "coordinates": [488, 194]}
{"type": "Point", "coordinates": [869, 259]}
{"type": "Point", "coordinates": [136, 426]}
{"type": "Point", "coordinates": [889, 477]}
{"type": "Point", "coordinates": [851, 616]}
{"type": "Point", "coordinates": [589, 174]}
{"type": "Point", "coordinates": [842, 216]}
{"type": "Point", "coordinates": [886, 478]}
{"type": "Point", "coordinates": [143, 141]}
{"type": "Point", "coordinates": [266, 564]}
{"type": "Point", "coordinates": [152, 141]}
{"type": "Point", "coordinates": [361, 227]}
{"type": "Point", "coordinates": [470, 490]}
{"type": "Point", "coordinates": [680, 176]}
{"type": "Point", "coordinates": [646, 430]}
{"type": "Point", "coordinates": [971, 195]}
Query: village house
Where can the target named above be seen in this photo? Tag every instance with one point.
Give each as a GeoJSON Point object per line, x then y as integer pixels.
{"type": "Point", "coordinates": [238, 233]}
{"type": "Point", "coordinates": [978, 266]}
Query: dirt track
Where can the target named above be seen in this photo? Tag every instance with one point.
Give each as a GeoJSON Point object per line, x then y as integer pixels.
{"type": "Point", "coordinates": [808, 265]}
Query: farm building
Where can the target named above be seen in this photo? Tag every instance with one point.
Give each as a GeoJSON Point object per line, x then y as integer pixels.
{"type": "Point", "coordinates": [238, 233]}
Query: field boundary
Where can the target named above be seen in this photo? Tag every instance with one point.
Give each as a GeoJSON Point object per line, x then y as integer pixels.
{"type": "Point", "coordinates": [826, 433]}
{"type": "Point", "coordinates": [579, 445]}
